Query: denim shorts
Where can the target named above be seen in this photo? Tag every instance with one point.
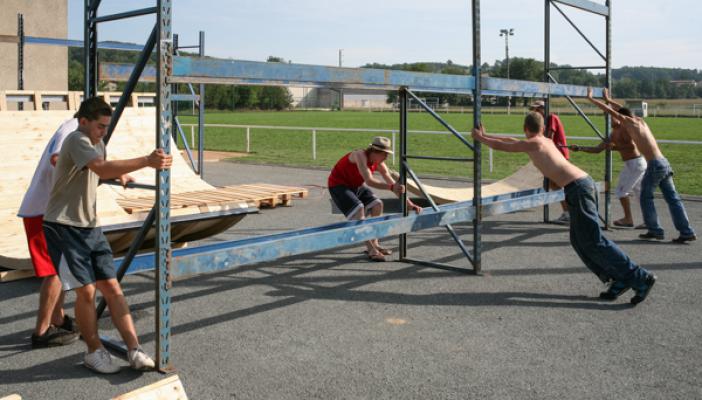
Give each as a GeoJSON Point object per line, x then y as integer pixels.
{"type": "Point", "coordinates": [82, 256]}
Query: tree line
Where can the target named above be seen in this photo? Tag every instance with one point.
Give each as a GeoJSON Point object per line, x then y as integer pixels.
{"type": "Point", "coordinates": [627, 82]}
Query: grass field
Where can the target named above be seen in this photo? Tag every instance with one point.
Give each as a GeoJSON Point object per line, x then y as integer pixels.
{"type": "Point", "coordinates": [289, 147]}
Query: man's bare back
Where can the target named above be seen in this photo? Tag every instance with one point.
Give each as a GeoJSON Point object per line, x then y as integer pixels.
{"type": "Point", "coordinates": [541, 150]}
{"type": "Point", "coordinates": [551, 162]}
{"type": "Point", "coordinates": [641, 135]}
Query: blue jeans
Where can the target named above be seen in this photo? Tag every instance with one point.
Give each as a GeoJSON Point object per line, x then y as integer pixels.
{"type": "Point", "coordinates": [659, 173]}
{"type": "Point", "coordinates": [600, 255]}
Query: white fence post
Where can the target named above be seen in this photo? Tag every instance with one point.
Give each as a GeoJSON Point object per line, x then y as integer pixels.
{"type": "Point", "coordinates": [192, 136]}
{"type": "Point", "coordinates": [490, 157]}
{"type": "Point", "coordinates": [314, 144]}
{"type": "Point", "coordinates": [393, 147]}
{"type": "Point", "coordinates": [248, 139]}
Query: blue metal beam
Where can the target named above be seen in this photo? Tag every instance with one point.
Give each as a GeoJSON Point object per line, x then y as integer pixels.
{"type": "Point", "coordinates": [201, 70]}
{"type": "Point", "coordinates": [115, 72]}
{"type": "Point", "coordinates": [196, 70]}
{"type": "Point", "coordinates": [227, 255]}
{"type": "Point", "coordinates": [586, 5]}
{"type": "Point", "coordinates": [518, 88]}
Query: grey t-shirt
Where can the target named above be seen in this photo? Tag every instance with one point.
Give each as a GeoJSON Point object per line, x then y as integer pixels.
{"type": "Point", "coordinates": [73, 196]}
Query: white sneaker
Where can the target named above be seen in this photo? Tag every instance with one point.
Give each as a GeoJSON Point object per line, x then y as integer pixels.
{"type": "Point", "coordinates": [101, 361]}
{"type": "Point", "coordinates": [564, 218]}
{"type": "Point", "coordinates": [139, 360]}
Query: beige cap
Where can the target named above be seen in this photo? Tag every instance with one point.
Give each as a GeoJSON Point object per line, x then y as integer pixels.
{"type": "Point", "coordinates": [537, 104]}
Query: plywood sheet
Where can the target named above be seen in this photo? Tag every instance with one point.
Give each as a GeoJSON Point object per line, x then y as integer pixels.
{"type": "Point", "coordinates": [23, 136]}
{"type": "Point", "coordinates": [526, 177]}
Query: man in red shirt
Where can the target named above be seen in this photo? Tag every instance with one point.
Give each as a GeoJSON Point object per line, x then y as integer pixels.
{"type": "Point", "coordinates": [555, 132]}
{"type": "Point", "coordinates": [350, 182]}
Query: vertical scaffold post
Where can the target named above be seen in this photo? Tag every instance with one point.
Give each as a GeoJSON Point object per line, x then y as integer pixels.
{"type": "Point", "coordinates": [174, 91]}
{"type": "Point", "coordinates": [163, 190]}
{"type": "Point", "coordinates": [201, 116]}
{"type": "Point", "coordinates": [608, 121]}
{"type": "Point", "coordinates": [90, 49]}
{"type": "Point", "coordinates": [20, 52]}
{"type": "Point", "coordinates": [547, 70]}
{"type": "Point", "coordinates": [402, 98]}
{"type": "Point", "coordinates": [20, 57]}
{"type": "Point", "coordinates": [477, 159]}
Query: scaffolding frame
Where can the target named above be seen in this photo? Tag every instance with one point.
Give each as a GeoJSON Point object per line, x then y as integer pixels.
{"type": "Point", "coordinates": [172, 69]}
{"type": "Point", "coordinates": [606, 12]}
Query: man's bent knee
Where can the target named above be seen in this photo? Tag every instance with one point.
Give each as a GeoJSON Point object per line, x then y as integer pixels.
{"type": "Point", "coordinates": [358, 215]}
{"type": "Point", "coordinates": [109, 288]}
{"type": "Point", "coordinates": [86, 292]}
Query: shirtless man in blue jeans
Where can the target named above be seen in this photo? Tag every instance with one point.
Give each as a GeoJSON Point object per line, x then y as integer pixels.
{"type": "Point", "coordinates": [600, 255]}
{"type": "Point", "coordinates": [658, 173]}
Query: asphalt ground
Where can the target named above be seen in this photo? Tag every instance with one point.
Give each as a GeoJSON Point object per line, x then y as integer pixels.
{"type": "Point", "coordinates": [333, 325]}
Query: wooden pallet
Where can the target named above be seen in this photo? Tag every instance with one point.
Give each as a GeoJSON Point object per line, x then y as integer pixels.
{"type": "Point", "coordinates": [8, 275]}
{"type": "Point", "coordinates": [257, 195]}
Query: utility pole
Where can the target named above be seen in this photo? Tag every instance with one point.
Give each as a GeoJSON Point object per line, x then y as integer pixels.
{"type": "Point", "coordinates": [341, 91]}
{"type": "Point", "coordinates": [507, 33]}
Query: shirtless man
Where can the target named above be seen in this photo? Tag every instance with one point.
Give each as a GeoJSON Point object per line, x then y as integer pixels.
{"type": "Point", "coordinates": [600, 255]}
{"type": "Point", "coordinates": [349, 183]}
{"type": "Point", "coordinates": [629, 184]}
{"type": "Point", "coordinates": [556, 131]}
{"type": "Point", "coordinates": [658, 173]}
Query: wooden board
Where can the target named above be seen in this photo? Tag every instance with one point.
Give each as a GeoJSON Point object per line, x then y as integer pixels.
{"type": "Point", "coordinates": [15, 274]}
{"type": "Point", "coordinates": [526, 177]}
{"type": "Point", "coordinates": [23, 136]}
{"type": "Point", "coordinates": [170, 388]}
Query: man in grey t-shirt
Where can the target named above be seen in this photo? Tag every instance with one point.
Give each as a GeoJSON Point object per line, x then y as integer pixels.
{"type": "Point", "coordinates": [76, 244]}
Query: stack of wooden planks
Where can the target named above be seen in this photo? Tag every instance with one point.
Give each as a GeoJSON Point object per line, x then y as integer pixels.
{"type": "Point", "coordinates": [259, 195]}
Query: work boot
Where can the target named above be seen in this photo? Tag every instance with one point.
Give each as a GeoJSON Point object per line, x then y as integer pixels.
{"type": "Point", "coordinates": [682, 239]}
{"type": "Point", "coordinates": [643, 291]}
{"type": "Point", "coordinates": [614, 290]}
{"type": "Point", "coordinates": [53, 337]}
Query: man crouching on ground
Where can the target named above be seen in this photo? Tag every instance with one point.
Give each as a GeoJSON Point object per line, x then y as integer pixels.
{"type": "Point", "coordinates": [76, 244]}
{"type": "Point", "coordinates": [349, 183]}
{"type": "Point", "coordinates": [600, 255]}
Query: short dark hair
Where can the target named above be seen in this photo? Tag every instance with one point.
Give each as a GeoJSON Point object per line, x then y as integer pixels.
{"type": "Point", "coordinates": [534, 122]}
{"type": "Point", "coordinates": [625, 111]}
{"type": "Point", "coordinates": [94, 108]}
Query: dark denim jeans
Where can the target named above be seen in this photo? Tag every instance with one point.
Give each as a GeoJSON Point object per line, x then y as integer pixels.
{"type": "Point", "coordinates": [600, 255]}
{"type": "Point", "coordinates": [659, 173]}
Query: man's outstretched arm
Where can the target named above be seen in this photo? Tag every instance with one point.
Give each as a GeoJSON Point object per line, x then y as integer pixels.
{"type": "Point", "coordinates": [603, 106]}
{"type": "Point", "coordinates": [513, 146]}
{"type": "Point", "coordinates": [611, 101]}
{"type": "Point", "coordinates": [115, 169]}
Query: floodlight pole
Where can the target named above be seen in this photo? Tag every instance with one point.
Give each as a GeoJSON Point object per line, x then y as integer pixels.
{"type": "Point", "coordinates": [507, 33]}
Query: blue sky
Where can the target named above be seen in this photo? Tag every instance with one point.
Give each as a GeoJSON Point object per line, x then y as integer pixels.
{"type": "Point", "coordinates": [645, 33]}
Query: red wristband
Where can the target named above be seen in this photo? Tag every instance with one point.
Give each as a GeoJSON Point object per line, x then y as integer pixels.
{"type": "Point", "coordinates": [391, 186]}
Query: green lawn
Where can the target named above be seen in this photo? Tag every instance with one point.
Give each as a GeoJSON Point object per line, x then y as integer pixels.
{"type": "Point", "coordinates": [295, 147]}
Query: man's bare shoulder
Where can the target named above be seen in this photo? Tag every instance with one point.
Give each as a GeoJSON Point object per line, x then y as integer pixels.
{"type": "Point", "coordinates": [356, 156]}
{"type": "Point", "coordinates": [537, 142]}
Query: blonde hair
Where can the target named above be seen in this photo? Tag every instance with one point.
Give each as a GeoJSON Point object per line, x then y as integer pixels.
{"type": "Point", "coordinates": [534, 122]}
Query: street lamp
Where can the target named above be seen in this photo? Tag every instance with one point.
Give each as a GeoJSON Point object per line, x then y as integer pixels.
{"type": "Point", "coordinates": [507, 33]}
